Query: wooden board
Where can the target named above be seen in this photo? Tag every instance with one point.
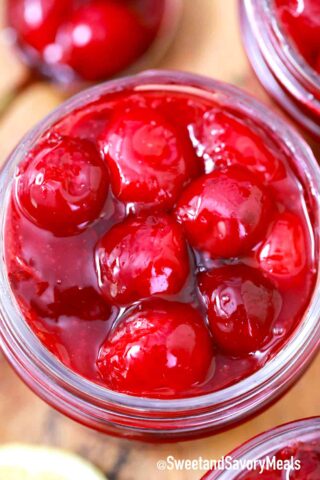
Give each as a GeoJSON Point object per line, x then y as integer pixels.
{"type": "Point", "coordinates": [208, 42]}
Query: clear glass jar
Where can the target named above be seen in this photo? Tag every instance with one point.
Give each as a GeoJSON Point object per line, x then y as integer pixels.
{"type": "Point", "coordinates": [143, 418]}
{"type": "Point", "coordinates": [162, 16]}
{"type": "Point", "coordinates": [268, 444]}
{"type": "Point", "coordinates": [279, 66]}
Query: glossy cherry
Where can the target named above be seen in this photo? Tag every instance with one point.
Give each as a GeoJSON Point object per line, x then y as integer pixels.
{"type": "Point", "coordinates": [158, 349]}
{"type": "Point", "coordinates": [142, 257]}
{"type": "Point", "coordinates": [282, 255]}
{"type": "Point", "coordinates": [223, 140]}
{"type": "Point", "coordinates": [102, 38]}
{"type": "Point", "coordinates": [224, 213]}
{"type": "Point", "coordinates": [149, 160]}
{"type": "Point", "coordinates": [37, 21]}
{"type": "Point", "coordinates": [242, 307]}
{"type": "Point", "coordinates": [62, 185]}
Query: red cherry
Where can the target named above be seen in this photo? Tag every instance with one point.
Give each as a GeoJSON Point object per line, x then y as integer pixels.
{"type": "Point", "coordinates": [142, 257]}
{"type": "Point", "coordinates": [149, 160]}
{"type": "Point", "coordinates": [36, 21]}
{"type": "Point", "coordinates": [101, 39]}
{"type": "Point", "coordinates": [242, 307]}
{"type": "Point", "coordinates": [283, 253]}
{"type": "Point", "coordinates": [224, 213]}
{"type": "Point", "coordinates": [62, 185]}
{"type": "Point", "coordinates": [224, 141]}
{"type": "Point", "coordinates": [159, 349]}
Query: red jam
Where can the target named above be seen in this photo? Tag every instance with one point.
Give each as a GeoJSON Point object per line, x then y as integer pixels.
{"type": "Point", "coordinates": [160, 244]}
{"type": "Point", "coordinates": [95, 38]}
{"type": "Point", "coordinates": [300, 461]}
{"type": "Point", "coordinates": [301, 22]}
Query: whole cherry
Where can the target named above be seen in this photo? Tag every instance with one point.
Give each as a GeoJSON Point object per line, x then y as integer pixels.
{"type": "Point", "coordinates": [150, 161]}
{"type": "Point", "coordinates": [101, 38]}
{"type": "Point", "coordinates": [282, 255]}
{"type": "Point", "coordinates": [224, 213]}
{"type": "Point", "coordinates": [62, 184]}
{"type": "Point", "coordinates": [223, 140]}
{"type": "Point", "coordinates": [158, 349]}
{"type": "Point", "coordinates": [36, 21]}
{"type": "Point", "coordinates": [242, 307]}
{"type": "Point", "coordinates": [141, 257]}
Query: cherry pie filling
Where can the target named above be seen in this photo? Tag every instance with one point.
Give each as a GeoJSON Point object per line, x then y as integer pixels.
{"type": "Point", "coordinates": [160, 244]}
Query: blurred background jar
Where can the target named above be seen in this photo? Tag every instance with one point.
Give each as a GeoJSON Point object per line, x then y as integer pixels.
{"type": "Point", "coordinates": [281, 38]}
{"type": "Point", "coordinates": [91, 40]}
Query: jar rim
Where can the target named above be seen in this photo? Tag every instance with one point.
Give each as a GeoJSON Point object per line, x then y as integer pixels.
{"type": "Point", "coordinates": [266, 443]}
{"type": "Point", "coordinates": [22, 346]}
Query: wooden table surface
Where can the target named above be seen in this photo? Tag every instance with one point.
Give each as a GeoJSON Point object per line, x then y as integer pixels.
{"type": "Point", "coordinates": [208, 42]}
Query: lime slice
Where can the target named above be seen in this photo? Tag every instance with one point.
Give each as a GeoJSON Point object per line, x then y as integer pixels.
{"type": "Point", "coordinates": [23, 462]}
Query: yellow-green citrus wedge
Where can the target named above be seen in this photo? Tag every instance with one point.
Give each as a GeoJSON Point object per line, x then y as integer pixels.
{"type": "Point", "coordinates": [23, 462]}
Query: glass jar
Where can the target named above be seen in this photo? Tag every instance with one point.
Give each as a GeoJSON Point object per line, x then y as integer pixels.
{"type": "Point", "coordinates": [268, 444]}
{"type": "Point", "coordinates": [145, 418]}
{"type": "Point", "coordinates": [49, 54]}
{"type": "Point", "coordinates": [279, 66]}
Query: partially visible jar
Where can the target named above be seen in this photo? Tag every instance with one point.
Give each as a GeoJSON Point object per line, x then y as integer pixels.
{"type": "Point", "coordinates": [282, 70]}
{"type": "Point", "coordinates": [290, 451]}
{"type": "Point", "coordinates": [90, 41]}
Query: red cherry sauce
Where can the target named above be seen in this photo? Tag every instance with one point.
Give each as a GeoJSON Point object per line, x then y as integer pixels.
{"type": "Point", "coordinates": [301, 22]}
{"type": "Point", "coordinates": [95, 38]}
{"type": "Point", "coordinates": [172, 255]}
{"type": "Point", "coordinates": [300, 461]}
